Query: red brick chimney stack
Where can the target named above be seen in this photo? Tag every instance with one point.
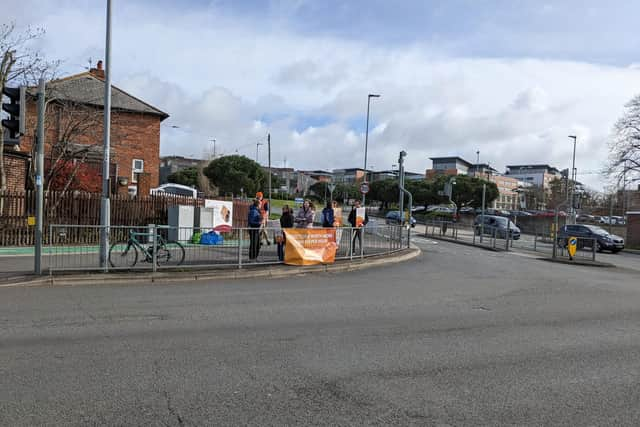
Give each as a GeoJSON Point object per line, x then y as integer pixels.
{"type": "Point", "coordinates": [98, 71]}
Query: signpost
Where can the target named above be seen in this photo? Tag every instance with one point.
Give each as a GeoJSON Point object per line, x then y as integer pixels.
{"type": "Point", "coordinates": [364, 187]}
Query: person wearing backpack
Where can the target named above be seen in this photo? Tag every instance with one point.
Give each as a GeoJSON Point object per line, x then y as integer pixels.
{"type": "Point", "coordinates": [255, 224]}
{"type": "Point", "coordinates": [286, 221]}
{"type": "Point", "coordinates": [328, 216]}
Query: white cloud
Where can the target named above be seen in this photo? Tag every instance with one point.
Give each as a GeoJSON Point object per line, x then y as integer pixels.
{"type": "Point", "coordinates": [234, 81]}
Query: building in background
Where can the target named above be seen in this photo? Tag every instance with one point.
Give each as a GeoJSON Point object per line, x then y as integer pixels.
{"type": "Point", "coordinates": [448, 166]}
{"type": "Point", "coordinates": [172, 164]}
{"type": "Point", "coordinates": [539, 175]}
{"type": "Point", "coordinates": [307, 178]}
{"type": "Point", "coordinates": [350, 175]}
{"type": "Point", "coordinates": [74, 136]}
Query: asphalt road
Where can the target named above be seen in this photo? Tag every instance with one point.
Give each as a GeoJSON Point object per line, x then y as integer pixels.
{"type": "Point", "coordinates": [460, 336]}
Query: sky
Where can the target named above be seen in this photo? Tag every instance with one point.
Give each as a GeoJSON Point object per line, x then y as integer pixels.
{"type": "Point", "coordinates": [508, 78]}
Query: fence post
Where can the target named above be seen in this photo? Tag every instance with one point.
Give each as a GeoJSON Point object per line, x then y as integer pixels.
{"type": "Point", "coordinates": [50, 252]}
{"type": "Point", "coordinates": [494, 237]}
{"type": "Point", "coordinates": [351, 243]}
{"type": "Point", "coordinates": [474, 235]}
{"type": "Point", "coordinates": [594, 243]}
{"type": "Point", "coordinates": [391, 233]}
{"type": "Point", "coordinates": [408, 237]}
{"type": "Point", "coordinates": [361, 230]}
{"type": "Point", "coordinates": [154, 243]}
{"type": "Point", "coordinates": [506, 245]}
{"type": "Point", "coordinates": [240, 231]}
{"type": "Point", "coordinates": [535, 241]}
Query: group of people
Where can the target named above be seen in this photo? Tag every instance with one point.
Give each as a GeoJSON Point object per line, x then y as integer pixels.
{"type": "Point", "coordinates": [331, 217]}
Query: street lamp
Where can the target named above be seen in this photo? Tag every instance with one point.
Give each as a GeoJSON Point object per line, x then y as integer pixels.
{"type": "Point", "coordinates": [573, 179]}
{"type": "Point", "coordinates": [366, 139]}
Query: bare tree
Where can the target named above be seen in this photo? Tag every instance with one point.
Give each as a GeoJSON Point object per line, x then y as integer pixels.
{"type": "Point", "coordinates": [624, 148]}
{"type": "Point", "coordinates": [19, 64]}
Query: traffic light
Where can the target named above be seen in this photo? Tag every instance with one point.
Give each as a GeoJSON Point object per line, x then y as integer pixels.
{"type": "Point", "coordinates": [15, 124]}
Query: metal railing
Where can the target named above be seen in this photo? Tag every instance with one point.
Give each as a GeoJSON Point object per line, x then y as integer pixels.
{"type": "Point", "coordinates": [154, 248]}
{"type": "Point", "coordinates": [487, 236]}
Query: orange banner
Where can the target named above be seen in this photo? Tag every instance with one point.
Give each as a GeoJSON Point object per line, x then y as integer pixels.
{"type": "Point", "coordinates": [309, 246]}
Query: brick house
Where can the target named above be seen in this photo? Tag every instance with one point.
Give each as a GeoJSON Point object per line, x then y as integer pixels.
{"type": "Point", "coordinates": [74, 125]}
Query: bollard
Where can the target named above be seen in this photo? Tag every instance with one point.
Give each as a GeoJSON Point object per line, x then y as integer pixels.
{"type": "Point", "coordinates": [594, 244]}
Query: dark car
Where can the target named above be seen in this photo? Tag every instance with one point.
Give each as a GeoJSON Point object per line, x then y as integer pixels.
{"type": "Point", "coordinates": [497, 224]}
{"type": "Point", "coordinates": [394, 217]}
{"type": "Point", "coordinates": [590, 233]}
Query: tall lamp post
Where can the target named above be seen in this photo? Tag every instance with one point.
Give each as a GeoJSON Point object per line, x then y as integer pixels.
{"type": "Point", "coordinates": [573, 181]}
{"type": "Point", "coordinates": [105, 206]}
{"type": "Point", "coordinates": [366, 140]}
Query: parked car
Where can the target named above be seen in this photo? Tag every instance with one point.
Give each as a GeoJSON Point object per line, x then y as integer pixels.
{"type": "Point", "coordinates": [394, 217]}
{"type": "Point", "coordinates": [466, 210]}
{"type": "Point", "coordinates": [585, 218]}
{"type": "Point", "coordinates": [179, 189]}
{"type": "Point", "coordinates": [605, 220]}
{"type": "Point", "coordinates": [418, 209]}
{"type": "Point", "coordinates": [497, 224]}
{"type": "Point", "coordinates": [441, 209]}
{"type": "Point", "coordinates": [590, 234]}
{"type": "Point", "coordinates": [520, 213]}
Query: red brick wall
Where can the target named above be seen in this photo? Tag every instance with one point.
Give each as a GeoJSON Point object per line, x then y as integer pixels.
{"type": "Point", "coordinates": [133, 136]}
{"type": "Point", "coordinates": [16, 168]}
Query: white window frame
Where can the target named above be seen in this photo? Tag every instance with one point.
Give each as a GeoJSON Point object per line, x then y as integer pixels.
{"type": "Point", "coordinates": [135, 171]}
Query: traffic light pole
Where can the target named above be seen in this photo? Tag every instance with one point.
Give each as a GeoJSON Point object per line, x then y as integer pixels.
{"type": "Point", "coordinates": [39, 173]}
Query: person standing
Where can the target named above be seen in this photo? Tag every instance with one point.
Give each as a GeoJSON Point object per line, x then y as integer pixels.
{"type": "Point", "coordinates": [286, 221]}
{"type": "Point", "coordinates": [304, 217]}
{"type": "Point", "coordinates": [255, 224]}
{"type": "Point", "coordinates": [328, 220]}
{"type": "Point", "coordinates": [264, 213]}
{"type": "Point", "coordinates": [357, 232]}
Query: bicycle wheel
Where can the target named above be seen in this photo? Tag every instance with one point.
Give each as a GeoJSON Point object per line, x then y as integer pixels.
{"type": "Point", "coordinates": [169, 254]}
{"type": "Point", "coordinates": [123, 254]}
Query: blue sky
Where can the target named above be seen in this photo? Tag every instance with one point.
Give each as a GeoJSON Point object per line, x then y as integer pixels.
{"type": "Point", "coordinates": [509, 78]}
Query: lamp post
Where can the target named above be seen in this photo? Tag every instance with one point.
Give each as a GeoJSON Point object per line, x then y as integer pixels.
{"type": "Point", "coordinates": [572, 213]}
{"type": "Point", "coordinates": [366, 140]}
{"type": "Point", "coordinates": [105, 205]}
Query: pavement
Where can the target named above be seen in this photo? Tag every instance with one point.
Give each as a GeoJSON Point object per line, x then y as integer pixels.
{"type": "Point", "coordinates": [457, 336]}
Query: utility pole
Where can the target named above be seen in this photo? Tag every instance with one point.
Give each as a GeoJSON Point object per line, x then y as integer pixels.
{"type": "Point", "coordinates": [477, 163]}
{"type": "Point", "coordinates": [573, 181]}
{"type": "Point", "coordinates": [269, 151]}
{"type": "Point", "coordinates": [105, 205]}
{"type": "Point", "coordinates": [258, 144]}
{"type": "Point", "coordinates": [214, 148]}
{"type": "Point", "coordinates": [39, 175]}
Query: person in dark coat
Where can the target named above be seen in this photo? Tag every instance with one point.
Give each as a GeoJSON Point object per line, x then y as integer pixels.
{"type": "Point", "coordinates": [357, 232]}
{"type": "Point", "coordinates": [286, 221]}
{"type": "Point", "coordinates": [255, 222]}
{"type": "Point", "coordinates": [328, 216]}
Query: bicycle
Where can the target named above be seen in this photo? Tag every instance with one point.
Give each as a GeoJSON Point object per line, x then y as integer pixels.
{"type": "Point", "coordinates": [125, 253]}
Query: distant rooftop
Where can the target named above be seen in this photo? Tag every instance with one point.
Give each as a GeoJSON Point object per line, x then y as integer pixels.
{"type": "Point", "coordinates": [534, 166]}
{"type": "Point", "coordinates": [450, 159]}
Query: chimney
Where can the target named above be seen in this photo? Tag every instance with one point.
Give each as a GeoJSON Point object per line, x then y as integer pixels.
{"type": "Point", "coordinates": [98, 71]}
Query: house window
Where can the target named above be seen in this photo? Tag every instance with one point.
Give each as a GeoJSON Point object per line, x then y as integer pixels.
{"type": "Point", "coordinates": [136, 168]}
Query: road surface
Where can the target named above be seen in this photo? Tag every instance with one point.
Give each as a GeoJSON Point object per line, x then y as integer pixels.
{"type": "Point", "coordinates": [460, 336]}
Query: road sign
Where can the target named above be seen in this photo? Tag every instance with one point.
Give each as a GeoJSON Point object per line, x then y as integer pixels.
{"type": "Point", "coordinates": [572, 246]}
{"type": "Point", "coordinates": [299, 200]}
{"type": "Point", "coordinates": [364, 187]}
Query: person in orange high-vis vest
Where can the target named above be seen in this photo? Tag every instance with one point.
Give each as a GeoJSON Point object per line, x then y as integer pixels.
{"type": "Point", "coordinates": [264, 211]}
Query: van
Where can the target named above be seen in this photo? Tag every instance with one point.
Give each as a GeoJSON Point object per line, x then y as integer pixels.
{"type": "Point", "coordinates": [497, 224]}
{"type": "Point", "coordinates": [179, 189]}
